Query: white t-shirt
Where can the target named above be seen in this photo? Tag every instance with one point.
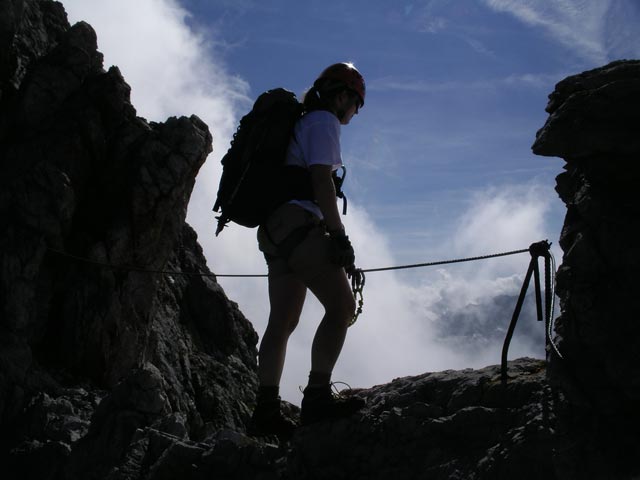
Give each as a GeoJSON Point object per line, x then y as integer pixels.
{"type": "Point", "coordinates": [316, 142]}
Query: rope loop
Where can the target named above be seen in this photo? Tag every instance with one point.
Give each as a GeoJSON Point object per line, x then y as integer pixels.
{"type": "Point", "coordinates": [358, 280]}
{"type": "Point", "coordinates": [540, 249]}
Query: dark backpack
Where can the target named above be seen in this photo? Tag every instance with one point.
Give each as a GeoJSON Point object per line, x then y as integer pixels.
{"type": "Point", "coordinates": [254, 178]}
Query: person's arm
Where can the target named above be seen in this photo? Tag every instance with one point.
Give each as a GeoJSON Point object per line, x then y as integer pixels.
{"type": "Point", "coordinates": [325, 193]}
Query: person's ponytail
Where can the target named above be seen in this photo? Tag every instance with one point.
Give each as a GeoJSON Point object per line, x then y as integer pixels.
{"type": "Point", "coordinates": [322, 94]}
{"type": "Point", "coordinates": [313, 101]}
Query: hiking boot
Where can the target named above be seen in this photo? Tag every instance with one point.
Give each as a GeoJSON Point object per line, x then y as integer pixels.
{"type": "Point", "coordinates": [268, 420]}
{"type": "Point", "coordinates": [320, 403]}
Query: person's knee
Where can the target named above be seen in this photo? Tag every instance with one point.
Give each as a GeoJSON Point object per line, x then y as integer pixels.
{"type": "Point", "coordinates": [342, 309]}
{"type": "Point", "coordinates": [351, 307]}
{"type": "Point", "coordinates": [282, 325]}
{"type": "Point", "coordinates": [292, 324]}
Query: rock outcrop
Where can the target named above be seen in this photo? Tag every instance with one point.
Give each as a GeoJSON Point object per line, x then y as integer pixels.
{"type": "Point", "coordinates": [594, 124]}
{"type": "Point", "coordinates": [447, 425]}
{"type": "Point", "coordinates": [111, 371]}
{"type": "Point", "coordinates": [88, 353]}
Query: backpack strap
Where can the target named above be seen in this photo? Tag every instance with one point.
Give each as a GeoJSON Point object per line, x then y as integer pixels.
{"type": "Point", "coordinates": [337, 182]}
{"type": "Point", "coordinates": [303, 189]}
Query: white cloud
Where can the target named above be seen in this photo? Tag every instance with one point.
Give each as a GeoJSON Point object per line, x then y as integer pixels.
{"type": "Point", "coordinates": [542, 81]}
{"type": "Point", "coordinates": [172, 69]}
{"type": "Point", "coordinates": [591, 29]}
{"type": "Point", "coordinates": [534, 80]}
{"type": "Point", "coordinates": [503, 218]}
{"type": "Point", "coordinates": [433, 25]}
{"type": "Point", "coordinates": [479, 47]}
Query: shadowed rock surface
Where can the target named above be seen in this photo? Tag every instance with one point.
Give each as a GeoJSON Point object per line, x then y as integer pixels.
{"type": "Point", "coordinates": [89, 354]}
{"type": "Point", "coordinates": [119, 373]}
{"type": "Point", "coordinates": [594, 124]}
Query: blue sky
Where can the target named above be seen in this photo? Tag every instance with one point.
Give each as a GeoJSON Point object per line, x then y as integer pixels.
{"type": "Point", "coordinates": [439, 160]}
{"type": "Point", "coordinates": [456, 89]}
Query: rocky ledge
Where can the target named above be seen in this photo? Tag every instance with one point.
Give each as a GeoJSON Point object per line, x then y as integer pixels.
{"type": "Point", "coordinates": [452, 424]}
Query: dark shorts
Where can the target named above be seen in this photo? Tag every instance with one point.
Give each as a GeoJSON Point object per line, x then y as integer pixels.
{"type": "Point", "coordinates": [309, 257]}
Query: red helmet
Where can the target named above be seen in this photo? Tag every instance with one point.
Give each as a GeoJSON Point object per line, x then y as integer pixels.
{"type": "Point", "coordinates": [346, 74]}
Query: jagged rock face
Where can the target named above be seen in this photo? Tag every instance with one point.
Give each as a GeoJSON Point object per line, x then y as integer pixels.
{"type": "Point", "coordinates": [449, 425]}
{"type": "Point", "coordinates": [594, 125]}
{"type": "Point", "coordinates": [89, 352]}
{"type": "Point", "coordinates": [593, 113]}
{"type": "Point", "coordinates": [26, 33]}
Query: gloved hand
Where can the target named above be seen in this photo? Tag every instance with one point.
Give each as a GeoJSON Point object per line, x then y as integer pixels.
{"type": "Point", "coordinates": [356, 275]}
{"type": "Point", "coordinates": [341, 251]}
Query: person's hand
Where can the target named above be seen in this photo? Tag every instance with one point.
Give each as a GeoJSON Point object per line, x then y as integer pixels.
{"type": "Point", "coordinates": [342, 251]}
{"type": "Point", "coordinates": [356, 275]}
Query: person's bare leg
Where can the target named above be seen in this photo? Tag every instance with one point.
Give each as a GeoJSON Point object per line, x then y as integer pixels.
{"type": "Point", "coordinates": [286, 297]}
{"type": "Point", "coordinates": [333, 290]}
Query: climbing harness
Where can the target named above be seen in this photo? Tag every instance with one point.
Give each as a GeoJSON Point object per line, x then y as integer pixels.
{"type": "Point", "coordinates": [539, 249]}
